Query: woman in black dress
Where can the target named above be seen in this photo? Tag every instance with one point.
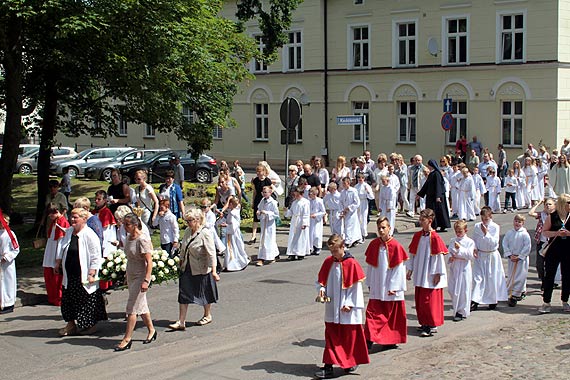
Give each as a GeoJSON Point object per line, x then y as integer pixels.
{"type": "Point", "coordinates": [434, 191]}
{"type": "Point", "coordinates": [82, 304]}
{"type": "Point", "coordinates": [258, 183]}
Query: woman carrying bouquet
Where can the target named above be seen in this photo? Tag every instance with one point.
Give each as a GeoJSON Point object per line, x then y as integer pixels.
{"type": "Point", "coordinates": [197, 282]}
{"type": "Point", "coordinates": [138, 248]}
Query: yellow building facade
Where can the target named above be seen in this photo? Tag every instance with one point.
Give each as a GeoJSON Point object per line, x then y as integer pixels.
{"type": "Point", "coordinates": [503, 64]}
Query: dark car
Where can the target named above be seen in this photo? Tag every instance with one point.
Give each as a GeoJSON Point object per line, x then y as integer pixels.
{"type": "Point", "coordinates": [202, 170]}
{"type": "Point", "coordinates": [102, 170]}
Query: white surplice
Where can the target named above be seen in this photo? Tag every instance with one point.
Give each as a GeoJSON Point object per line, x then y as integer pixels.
{"type": "Point", "coordinates": [350, 203]}
{"type": "Point", "coordinates": [365, 194]}
{"type": "Point", "coordinates": [466, 200]}
{"type": "Point", "coordinates": [317, 208]}
{"type": "Point", "coordinates": [425, 266]}
{"type": "Point", "coordinates": [236, 258]}
{"type": "Point", "coordinates": [479, 190]}
{"type": "Point", "coordinates": [517, 243]}
{"type": "Point", "coordinates": [461, 274]}
{"type": "Point", "coordinates": [8, 255]}
{"type": "Point", "coordinates": [333, 206]}
{"type": "Point", "coordinates": [387, 203]}
{"type": "Point", "coordinates": [268, 249]}
{"type": "Point", "coordinates": [489, 286]}
{"type": "Point", "coordinates": [299, 243]}
{"type": "Point", "coordinates": [340, 297]}
{"type": "Point", "coordinates": [494, 188]}
{"type": "Point", "coordinates": [210, 224]}
{"type": "Point", "coordinates": [382, 279]}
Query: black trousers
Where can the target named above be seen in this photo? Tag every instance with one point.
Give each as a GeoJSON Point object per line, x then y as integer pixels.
{"type": "Point", "coordinates": [554, 257]}
{"type": "Point", "coordinates": [539, 261]}
{"type": "Point", "coordinates": [513, 198]}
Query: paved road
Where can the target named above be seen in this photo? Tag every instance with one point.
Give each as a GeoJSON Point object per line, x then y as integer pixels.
{"type": "Point", "coordinates": [267, 326]}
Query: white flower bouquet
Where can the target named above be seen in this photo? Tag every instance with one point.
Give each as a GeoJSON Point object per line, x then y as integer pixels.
{"type": "Point", "coordinates": [164, 269]}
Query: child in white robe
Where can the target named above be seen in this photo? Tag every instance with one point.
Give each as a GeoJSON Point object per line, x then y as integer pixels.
{"type": "Point", "coordinates": [494, 188]}
{"type": "Point", "coordinates": [511, 185]}
{"type": "Point", "coordinates": [461, 253]}
{"type": "Point", "coordinates": [317, 208]}
{"type": "Point", "coordinates": [9, 249]}
{"type": "Point", "coordinates": [365, 194]}
{"type": "Point", "coordinates": [332, 205]}
{"type": "Point", "coordinates": [299, 242]}
{"type": "Point", "coordinates": [489, 286]}
{"type": "Point", "coordinates": [480, 189]}
{"type": "Point", "coordinates": [236, 258]}
{"type": "Point", "coordinates": [516, 248]}
{"type": "Point", "coordinates": [350, 203]}
{"type": "Point", "coordinates": [387, 202]}
{"type": "Point", "coordinates": [467, 195]}
{"type": "Point", "coordinates": [267, 212]}
{"type": "Point", "coordinates": [454, 184]}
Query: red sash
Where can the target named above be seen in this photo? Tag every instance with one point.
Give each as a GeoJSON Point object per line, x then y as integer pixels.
{"type": "Point", "coordinates": [9, 231]}
{"type": "Point", "coordinates": [61, 224]}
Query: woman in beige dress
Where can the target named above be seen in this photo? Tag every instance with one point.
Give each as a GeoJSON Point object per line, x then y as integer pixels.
{"type": "Point", "coordinates": [138, 249]}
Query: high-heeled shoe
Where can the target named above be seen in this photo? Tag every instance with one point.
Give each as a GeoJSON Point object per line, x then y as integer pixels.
{"type": "Point", "coordinates": [125, 347]}
{"type": "Point", "coordinates": [153, 337]}
{"type": "Point", "coordinates": [252, 241]}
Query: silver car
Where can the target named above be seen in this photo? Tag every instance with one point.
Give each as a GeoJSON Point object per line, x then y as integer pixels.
{"type": "Point", "coordinates": [28, 163]}
{"type": "Point", "coordinates": [89, 156]}
{"type": "Point", "coordinates": [102, 170]}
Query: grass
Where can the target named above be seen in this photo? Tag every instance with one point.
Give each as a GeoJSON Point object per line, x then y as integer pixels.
{"type": "Point", "coordinates": [25, 193]}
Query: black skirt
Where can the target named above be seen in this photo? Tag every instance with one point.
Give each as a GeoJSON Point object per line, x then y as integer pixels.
{"type": "Point", "coordinates": [200, 289]}
{"type": "Point", "coordinates": [78, 305]}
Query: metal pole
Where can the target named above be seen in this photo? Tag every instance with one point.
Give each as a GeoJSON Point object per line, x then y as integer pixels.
{"type": "Point", "coordinates": [363, 126]}
{"type": "Point", "coordinates": [287, 143]}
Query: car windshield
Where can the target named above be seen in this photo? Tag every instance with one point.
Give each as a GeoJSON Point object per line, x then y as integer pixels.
{"type": "Point", "coordinates": [30, 152]}
{"type": "Point", "coordinates": [123, 155]}
{"type": "Point", "coordinates": [151, 158]}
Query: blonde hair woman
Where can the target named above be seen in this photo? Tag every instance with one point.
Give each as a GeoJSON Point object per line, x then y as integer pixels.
{"type": "Point", "coordinates": [146, 198]}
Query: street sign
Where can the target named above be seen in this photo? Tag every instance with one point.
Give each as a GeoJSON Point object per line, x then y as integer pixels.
{"type": "Point", "coordinates": [447, 105]}
{"type": "Point", "coordinates": [447, 121]}
{"type": "Point", "coordinates": [350, 119]}
{"type": "Point", "coordinates": [290, 113]}
{"type": "Point", "coordinates": [292, 136]}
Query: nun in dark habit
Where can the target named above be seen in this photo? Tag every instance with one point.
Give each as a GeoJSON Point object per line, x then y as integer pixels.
{"type": "Point", "coordinates": [434, 191]}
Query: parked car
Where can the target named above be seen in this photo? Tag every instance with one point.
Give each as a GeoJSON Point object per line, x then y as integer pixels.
{"type": "Point", "coordinates": [26, 148]}
{"type": "Point", "coordinates": [102, 170]}
{"type": "Point", "coordinates": [202, 170]}
{"type": "Point", "coordinates": [78, 163]}
{"type": "Point", "coordinates": [28, 163]}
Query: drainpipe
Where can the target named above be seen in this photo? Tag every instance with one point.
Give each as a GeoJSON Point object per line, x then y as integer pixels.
{"type": "Point", "coordinates": [326, 82]}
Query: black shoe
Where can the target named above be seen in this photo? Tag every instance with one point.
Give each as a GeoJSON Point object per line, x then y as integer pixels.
{"type": "Point", "coordinates": [369, 345]}
{"type": "Point", "coordinates": [7, 309]}
{"type": "Point", "coordinates": [300, 257]}
{"type": "Point", "coordinates": [426, 332]}
{"type": "Point", "coordinates": [153, 337]}
{"type": "Point", "coordinates": [292, 258]}
{"type": "Point", "coordinates": [386, 347]}
{"type": "Point", "coordinates": [325, 372]}
{"type": "Point", "coordinates": [351, 369]}
{"type": "Point", "coordinates": [512, 302]}
{"type": "Point", "coordinates": [492, 306]}
{"type": "Point", "coordinates": [125, 347]}
{"type": "Point", "coordinates": [458, 317]}
{"type": "Point", "coordinates": [474, 306]}
{"type": "Point", "coordinates": [442, 230]}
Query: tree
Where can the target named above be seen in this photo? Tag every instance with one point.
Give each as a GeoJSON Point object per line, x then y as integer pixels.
{"type": "Point", "coordinates": [84, 62]}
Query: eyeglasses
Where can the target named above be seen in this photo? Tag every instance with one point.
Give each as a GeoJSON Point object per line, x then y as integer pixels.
{"type": "Point", "coordinates": [189, 220]}
{"type": "Point", "coordinates": [204, 206]}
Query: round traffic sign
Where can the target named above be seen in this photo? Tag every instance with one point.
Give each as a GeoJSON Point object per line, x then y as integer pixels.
{"type": "Point", "coordinates": [290, 113]}
{"type": "Point", "coordinates": [447, 121]}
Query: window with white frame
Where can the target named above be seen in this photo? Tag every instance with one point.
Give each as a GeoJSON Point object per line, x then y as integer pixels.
{"type": "Point", "coordinates": [512, 37]}
{"type": "Point", "coordinates": [261, 121]}
{"type": "Point", "coordinates": [407, 122]}
{"type": "Point", "coordinates": [149, 131]}
{"type": "Point", "coordinates": [406, 43]}
{"type": "Point", "coordinates": [217, 132]}
{"type": "Point", "coordinates": [121, 124]}
{"type": "Point", "coordinates": [359, 49]}
{"type": "Point", "coordinates": [512, 122]}
{"type": "Point", "coordinates": [358, 130]}
{"type": "Point", "coordinates": [293, 52]}
{"type": "Point", "coordinates": [459, 128]}
{"type": "Point", "coordinates": [259, 66]}
{"type": "Point", "coordinates": [187, 115]}
{"type": "Point", "coordinates": [456, 40]}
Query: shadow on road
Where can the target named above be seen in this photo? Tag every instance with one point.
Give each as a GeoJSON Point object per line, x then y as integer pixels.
{"type": "Point", "coordinates": [292, 369]}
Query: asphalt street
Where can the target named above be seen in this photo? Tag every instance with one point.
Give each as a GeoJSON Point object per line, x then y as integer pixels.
{"type": "Point", "coordinates": [268, 326]}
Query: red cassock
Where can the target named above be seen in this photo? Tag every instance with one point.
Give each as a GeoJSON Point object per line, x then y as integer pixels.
{"type": "Point", "coordinates": [345, 345]}
{"type": "Point", "coordinates": [53, 280]}
{"type": "Point", "coordinates": [107, 219]}
{"type": "Point", "coordinates": [386, 321]}
{"type": "Point", "coordinates": [429, 302]}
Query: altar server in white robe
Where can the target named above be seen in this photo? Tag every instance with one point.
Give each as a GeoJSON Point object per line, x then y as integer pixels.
{"type": "Point", "coordinates": [9, 249]}
{"type": "Point", "coordinates": [521, 185]}
{"type": "Point", "coordinates": [387, 202]}
{"type": "Point", "coordinates": [455, 180]}
{"type": "Point", "coordinates": [317, 213]}
{"type": "Point", "coordinates": [489, 286]}
{"type": "Point", "coordinates": [236, 258]}
{"type": "Point", "coordinates": [541, 172]}
{"type": "Point", "coordinates": [460, 278]}
{"type": "Point", "coordinates": [267, 212]}
{"type": "Point", "coordinates": [532, 194]}
{"type": "Point", "coordinates": [299, 243]}
{"type": "Point", "coordinates": [365, 194]}
{"type": "Point", "coordinates": [479, 189]}
{"type": "Point", "coordinates": [467, 194]}
{"type": "Point", "coordinates": [334, 208]}
{"type": "Point", "coordinates": [350, 203]}
{"type": "Point", "coordinates": [516, 248]}
{"type": "Point", "coordinates": [210, 223]}
{"type": "Point", "coordinates": [494, 188]}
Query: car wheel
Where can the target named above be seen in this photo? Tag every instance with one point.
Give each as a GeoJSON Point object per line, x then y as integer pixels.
{"type": "Point", "coordinates": [73, 171]}
{"type": "Point", "coordinates": [25, 169]}
{"type": "Point", "coordinates": [106, 175]}
{"type": "Point", "coordinates": [203, 176]}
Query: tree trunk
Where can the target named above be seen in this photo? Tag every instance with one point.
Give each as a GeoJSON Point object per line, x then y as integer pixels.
{"type": "Point", "coordinates": [46, 141]}
{"type": "Point", "coordinates": [13, 67]}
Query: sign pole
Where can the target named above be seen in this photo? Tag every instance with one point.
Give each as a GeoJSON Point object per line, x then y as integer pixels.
{"type": "Point", "coordinates": [288, 100]}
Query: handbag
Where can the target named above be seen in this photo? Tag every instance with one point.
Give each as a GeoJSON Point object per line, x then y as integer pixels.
{"type": "Point", "coordinates": [39, 242]}
{"type": "Point", "coordinates": [546, 246]}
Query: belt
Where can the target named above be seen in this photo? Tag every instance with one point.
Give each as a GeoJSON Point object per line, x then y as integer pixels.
{"type": "Point", "coordinates": [480, 250]}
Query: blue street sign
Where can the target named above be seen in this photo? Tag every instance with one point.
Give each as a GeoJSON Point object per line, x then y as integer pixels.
{"type": "Point", "coordinates": [447, 121]}
{"type": "Point", "coordinates": [350, 119]}
{"type": "Point", "coordinates": [447, 105]}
